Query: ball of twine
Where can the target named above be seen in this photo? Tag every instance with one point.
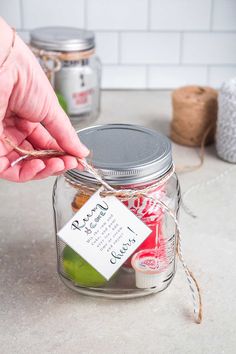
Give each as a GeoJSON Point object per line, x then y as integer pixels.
{"type": "Point", "coordinates": [194, 114]}
{"type": "Point", "coordinates": [226, 123]}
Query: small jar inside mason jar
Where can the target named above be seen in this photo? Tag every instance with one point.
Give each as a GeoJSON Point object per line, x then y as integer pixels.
{"type": "Point", "coordinates": [77, 82]}
{"type": "Point", "coordinates": [128, 157]}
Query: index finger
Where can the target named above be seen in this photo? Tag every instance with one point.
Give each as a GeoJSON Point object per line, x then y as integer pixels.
{"type": "Point", "coordinates": [59, 126]}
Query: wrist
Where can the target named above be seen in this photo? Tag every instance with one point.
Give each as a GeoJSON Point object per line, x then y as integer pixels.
{"type": "Point", "coordinates": [7, 35]}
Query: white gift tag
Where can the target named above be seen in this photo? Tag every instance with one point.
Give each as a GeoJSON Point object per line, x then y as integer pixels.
{"type": "Point", "coordinates": [105, 233]}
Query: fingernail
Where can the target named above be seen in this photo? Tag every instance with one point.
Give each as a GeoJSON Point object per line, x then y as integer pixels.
{"type": "Point", "coordinates": [40, 165]}
{"type": "Point", "coordinates": [80, 168]}
{"type": "Point", "coordinates": [73, 164]}
{"type": "Point", "coordinates": [84, 150]}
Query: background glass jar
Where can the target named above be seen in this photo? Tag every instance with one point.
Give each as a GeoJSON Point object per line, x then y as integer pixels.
{"type": "Point", "coordinates": [136, 158]}
{"type": "Point", "coordinates": [77, 82]}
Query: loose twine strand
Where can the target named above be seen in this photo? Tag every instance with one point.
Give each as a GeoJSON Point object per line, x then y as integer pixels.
{"type": "Point", "coordinates": [126, 194]}
{"type": "Point", "coordinates": [191, 168]}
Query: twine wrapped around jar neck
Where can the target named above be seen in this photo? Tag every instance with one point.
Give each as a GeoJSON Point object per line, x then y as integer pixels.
{"type": "Point", "coordinates": [51, 61]}
{"type": "Point", "coordinates": [125, 194]}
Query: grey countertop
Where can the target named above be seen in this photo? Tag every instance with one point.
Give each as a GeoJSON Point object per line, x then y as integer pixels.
{"type": "Point", "coordinates": [40, 315]}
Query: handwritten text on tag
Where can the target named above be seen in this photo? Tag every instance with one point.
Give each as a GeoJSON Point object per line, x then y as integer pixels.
{"type": "Point", "coordinates": [105, 233]}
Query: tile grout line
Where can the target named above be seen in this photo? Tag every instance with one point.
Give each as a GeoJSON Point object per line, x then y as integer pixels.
{"type": "Point", "coordinates": [149, 16]}
{"type": "Point", "coordinates": [158, 31]}
{"type": "Point", "coordinates": [181, 46]}
{"type": "Point", "coordinates": [163, 65]}
{"type": "Point", "coordinates": [147, 68]}
{"type": "Point", "coordinates": [85, 14]}
{"type": "Point", "coordinates": [119, 48]}
{"type": "Point", "coordinates": [208, 75]}
{"type": "Point", "coordinates": [211, 16]}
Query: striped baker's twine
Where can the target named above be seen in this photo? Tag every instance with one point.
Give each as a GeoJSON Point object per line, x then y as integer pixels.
{"type": "Point", "coordinates": [125, 194]}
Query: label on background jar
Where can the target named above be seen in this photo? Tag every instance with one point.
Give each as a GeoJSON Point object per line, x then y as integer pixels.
{"type": "Point", "coordinates": [105, 233]}
{"type": "Point", "coordinates": [77, 85]}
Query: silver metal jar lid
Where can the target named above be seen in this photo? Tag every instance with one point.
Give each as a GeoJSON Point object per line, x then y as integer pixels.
{"type": "Point", "coordinates": [67, 39]}
{"type": "Point", "coordinates": [125, 154]}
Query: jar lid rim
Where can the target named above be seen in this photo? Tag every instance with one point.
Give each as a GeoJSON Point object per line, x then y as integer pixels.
{"type": "Point", "coordinates": [65, 39]}
{"type": "Point", "coordinates": [135, 154]}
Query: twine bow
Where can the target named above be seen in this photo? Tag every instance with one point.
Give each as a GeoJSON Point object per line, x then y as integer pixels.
{"type": "Point", "coordinates": [125, 194]}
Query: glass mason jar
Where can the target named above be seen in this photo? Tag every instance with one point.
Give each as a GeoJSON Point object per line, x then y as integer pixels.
{"type": "Point", "coordinates": [77, 82]}
{"type": "Point", "coordinates": [132, 157]}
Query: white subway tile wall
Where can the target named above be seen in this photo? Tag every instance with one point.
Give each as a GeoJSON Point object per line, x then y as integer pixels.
{"type": "Point", "coordinates": [224, 15]}
{"type": "Point", "coordinates": [38, 13]}
{"type": "Point", "coordinates": [180, 15]}
{"type": "Point", "coordinates": [107, 45]}
{"type": "Point", "coordinates": [150, 48]}
{"type": "Point", "coordinates": [175, 76]}
{"type": "Point", "coordinates": [10, 10]}
{"type": "Point", "coordinates": [209, 48]}
{"type": "Point", "coordinates": [144, 44]}
{"type": "Point", "coordinates": [218, 74]}
{"type": "Point", "coordinates": [124, 77]}
{"type": "Point", "coordinates": [117, 14]}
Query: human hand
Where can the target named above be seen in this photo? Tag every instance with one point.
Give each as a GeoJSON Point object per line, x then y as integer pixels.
{"type": "Point", "coordinates": [31, 117]}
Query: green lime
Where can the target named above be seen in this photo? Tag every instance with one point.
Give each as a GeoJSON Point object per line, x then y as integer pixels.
{"type": "Point", "coordinates": [80, 271]}
{"type": "Point", "coordinates": [62, 101]}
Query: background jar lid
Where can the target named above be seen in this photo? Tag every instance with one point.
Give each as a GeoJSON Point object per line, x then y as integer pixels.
{"type": "Point", "coordinates": [66, 39]}
{"type": "Point", "coordinates": [125, 154]}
